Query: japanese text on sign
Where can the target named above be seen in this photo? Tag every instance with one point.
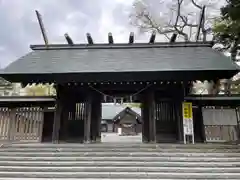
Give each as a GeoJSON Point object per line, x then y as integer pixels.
{"type": "Point", "coordinates": [187, 110]}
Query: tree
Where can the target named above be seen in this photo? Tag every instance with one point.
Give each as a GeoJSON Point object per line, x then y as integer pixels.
{"type": "Point", "coordinates": [181, 17]}
{"type": "Point", "coordinates": [227, 27]}
{"type": "Point", "coordinates": [227, 32]}
{"type": "Point", "coordinates": [175, 17]}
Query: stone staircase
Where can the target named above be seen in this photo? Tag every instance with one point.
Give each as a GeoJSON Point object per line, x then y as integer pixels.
{"type": "Point", "coordinates": [119, 161]}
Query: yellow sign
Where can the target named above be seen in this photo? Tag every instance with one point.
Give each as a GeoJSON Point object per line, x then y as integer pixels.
{"type": "Point", "coordinates": [187, 110]}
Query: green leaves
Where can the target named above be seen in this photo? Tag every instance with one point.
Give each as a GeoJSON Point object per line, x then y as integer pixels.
{"type": "Point", "coordinates": [231, 10]}
{"type": "Point", "coordinates": [227, 28]}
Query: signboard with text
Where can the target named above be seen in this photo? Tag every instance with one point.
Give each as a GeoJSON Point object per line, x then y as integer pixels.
{"type": "Point", "coordinates": [187, 120]}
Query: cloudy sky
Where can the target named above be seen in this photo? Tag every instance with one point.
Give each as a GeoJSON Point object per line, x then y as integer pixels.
{"type": "Point", "coordinates": [19, 26]}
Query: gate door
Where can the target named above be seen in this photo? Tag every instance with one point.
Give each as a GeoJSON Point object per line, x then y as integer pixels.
{"type": "Point", "coordinates": [166, 121]}
{"type": "Point", "coordinates": [73, 123]}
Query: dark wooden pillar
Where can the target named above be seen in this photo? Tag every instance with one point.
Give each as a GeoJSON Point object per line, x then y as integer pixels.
{"type": "Point", "coordinates": [64, 121]}
{"type": "Point", "coordinates": [96, 118]}
{"type": "Point", "coordinates": [179, 116]}
{"type": "Point", "coordinates": [99, 137]}
{"type": "Point", "coordinates": [152, 120]}
{"type": "Point", "coordinates": [87, 119]}
{"type": "Point", "coordinates": [148, 116]}
{"type": "Point", "coordinates": [57, 115]}
{"type": "Point", "coordinates": [11, 123]}
{"type": "Point", "coordinates": [185, 90]}
{"type": "Point", "coordinates": [203, 134]}
{"type": "Point", "coordinates": [94, 122]}
{"type": "Point", "coordinates": [145, 121]}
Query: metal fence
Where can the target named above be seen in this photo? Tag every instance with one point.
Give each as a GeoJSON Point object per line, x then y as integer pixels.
{"type": "Point", "coordinates": [21, 124]}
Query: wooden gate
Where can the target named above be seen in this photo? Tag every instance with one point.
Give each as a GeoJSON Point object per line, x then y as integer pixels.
{"type": "Point", "coordinates": [21, 124]}
{"type": "Point", "coordinates": [73, 123]}
{"type": "Point", "coordinates": [166, 121]}
{"type": "Point", "coordinates": [220, 124]}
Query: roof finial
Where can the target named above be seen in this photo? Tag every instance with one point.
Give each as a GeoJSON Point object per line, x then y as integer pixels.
{"type": "Point", "coordinates": [152, 38]}
{"type": "Point", "coordinates": [68, 38]}
{"type": "Point", "coordinates": [89, 38]}
{"type": "Point", "coordinates": [43, 30]}
{"type": "Point", "coordinates": [173, 38]}
{"type": "Point", "coordinates": [110, 38]}
{"type": "Point", "coordinates": [131, 38]}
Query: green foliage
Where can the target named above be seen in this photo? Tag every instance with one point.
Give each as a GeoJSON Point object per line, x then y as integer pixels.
{"type": "Point", "coordinates": [231, 10]}
{"type": "Point", "coordinates": [227, 28]}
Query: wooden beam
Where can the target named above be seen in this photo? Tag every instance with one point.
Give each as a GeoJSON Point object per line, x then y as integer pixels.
{"type": "Point", "coordinates": [89, 38]}
{"type": "Point", "coordinates": [200, 24]}
{"type": "Point", "coordinates": [131, 38]}
{"type": "Point", "coordinates": [152, 38]}
{"type": "Point", "coordinates": [44, 34]}
{"type": "Point", "coordinates": [110, 38]}
{"type": "Point", "coordinates": [173, 38]}
{"type": "Point", "coordinates": [68, 38]}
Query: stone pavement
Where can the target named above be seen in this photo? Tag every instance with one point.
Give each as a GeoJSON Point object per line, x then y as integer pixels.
{"type": "Point", "coordinates": [114, 137]}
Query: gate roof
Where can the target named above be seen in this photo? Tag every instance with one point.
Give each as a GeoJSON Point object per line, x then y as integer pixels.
{"type": "Point", "coordinates": [179, 60]}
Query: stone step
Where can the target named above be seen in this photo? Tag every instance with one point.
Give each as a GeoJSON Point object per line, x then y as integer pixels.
{"type": "Point", "coordinates": [108, 178]}
{"type": "Point", "coordinates": [120, 169]}
{"type": "Point", "coordinates": [130, 158]}
{"type": "Point", "coordinates": [122, 175]}
{"type": "Point", "coordinates": [102, 179]}
{"type": "Point", "coordinates": [119, 161]}
{"type": "Point", "coordinates": [117, 164]}
{"type": "Point", "coordinates": [122, 145]}
{"type": "Point", "coordinates": [116, 154]}
{"type": "Point", "coordinates": [158, 149]}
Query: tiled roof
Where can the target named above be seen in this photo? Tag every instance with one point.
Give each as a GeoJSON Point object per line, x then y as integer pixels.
{"type": "Point", "coordinates": [120, 58]}
{"type": "Point", "coordinates": [109, 110]}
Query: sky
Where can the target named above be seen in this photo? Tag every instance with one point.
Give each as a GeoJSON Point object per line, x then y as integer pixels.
{"type": "Point", "coordinates": [19, 27]}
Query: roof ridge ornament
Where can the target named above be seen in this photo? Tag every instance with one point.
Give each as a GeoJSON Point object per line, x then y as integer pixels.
{"type": "Point", "coordinates": [131, 38]}
{"type": "Point", "coordinates": [110, 38]}
{"type": "Point", "coordinates": [69, 39]}
{"type": "Point", "coordinates": [42, 28]}
{"type": "Point", "coordinates": [89, 38]}
{"type": "Point", "coordinates": [152, 38]}
{"type": "Point", "coordinates": [173, 38]}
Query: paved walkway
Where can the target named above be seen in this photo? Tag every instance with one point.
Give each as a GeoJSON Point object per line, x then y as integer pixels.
{"type": "Point", "coordinates": [113, 137]}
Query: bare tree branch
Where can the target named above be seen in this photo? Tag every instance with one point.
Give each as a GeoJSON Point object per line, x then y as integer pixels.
{"type": "Point", "coordinates": [185, 21]}
{"type": "Point", "coordinates": [196, 5]}
{"type": "Point", "coordinates": [176, 20]}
